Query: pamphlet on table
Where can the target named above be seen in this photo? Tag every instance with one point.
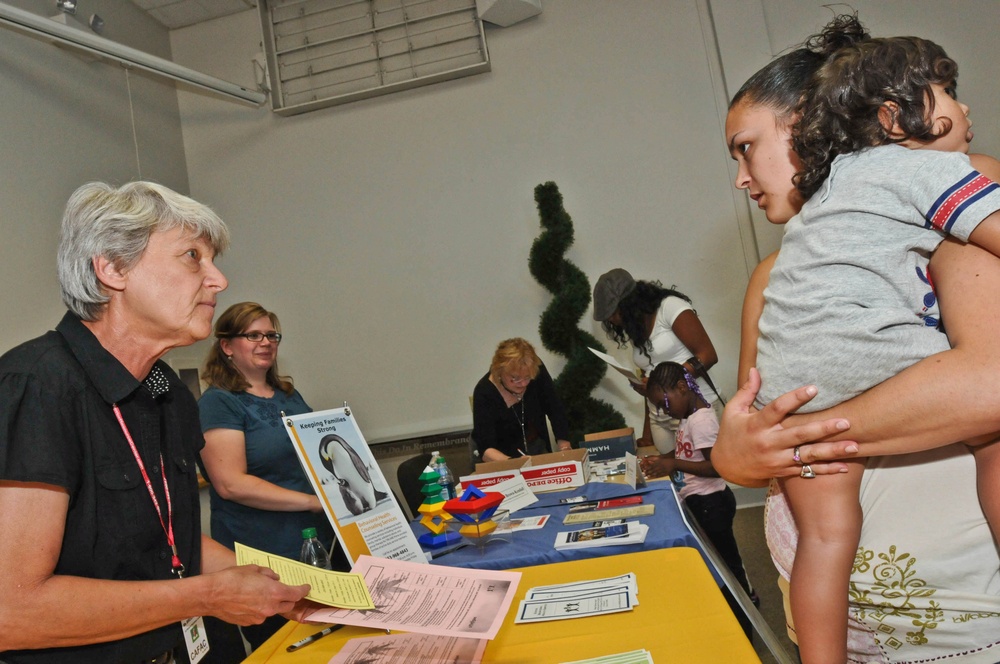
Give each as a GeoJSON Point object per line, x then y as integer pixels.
{"type": "Point", "coordinates": [422, 648]}
{"type": "Point", "coordinates": [579, 599]}
{"type": "Point", "coordinates": [443, 601]}
{"type": "Point", "coordinates": [630, 532]}
{"type": "Point", "coordinates": [631, 657]}
{"type": "Point", "coordinates": [528, 523]}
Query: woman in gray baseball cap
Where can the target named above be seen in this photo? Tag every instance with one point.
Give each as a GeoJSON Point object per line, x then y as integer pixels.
{"type": "Point", "coordinates": [662, 326]}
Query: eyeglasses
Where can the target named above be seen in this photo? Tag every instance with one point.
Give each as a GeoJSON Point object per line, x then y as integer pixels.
{"type": "Point", "coordinates": [257, 337]}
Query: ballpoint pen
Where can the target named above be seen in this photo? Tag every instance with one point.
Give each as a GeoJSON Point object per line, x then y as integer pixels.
{"type": "Point", "coordinates": [312, 639]}
{"type": "Point", "coordinates": [438, 554]}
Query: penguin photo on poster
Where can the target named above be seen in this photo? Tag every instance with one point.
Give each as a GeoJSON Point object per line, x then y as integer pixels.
{"type": "Point", "coordinates": [352, 476]}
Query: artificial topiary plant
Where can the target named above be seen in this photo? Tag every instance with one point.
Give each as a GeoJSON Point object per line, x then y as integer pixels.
{"type": "Point", "coordinates": [558, 329]}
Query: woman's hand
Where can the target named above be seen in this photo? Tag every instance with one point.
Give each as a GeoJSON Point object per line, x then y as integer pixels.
{"type": "Point", "coordinates": [564, 445]}
{"type": "Point", "coordinates": [754, 446]}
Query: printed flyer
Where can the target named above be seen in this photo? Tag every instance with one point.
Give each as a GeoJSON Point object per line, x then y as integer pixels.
{"type": "Point", "coordinates": [351, 487]}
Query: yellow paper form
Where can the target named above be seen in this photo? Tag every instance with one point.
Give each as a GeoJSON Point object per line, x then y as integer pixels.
{"type": "Point", "coordinates": [343, 590]}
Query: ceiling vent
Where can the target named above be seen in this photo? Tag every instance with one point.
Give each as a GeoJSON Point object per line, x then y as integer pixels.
{"type": "Point", "coordinates": [322, 53]}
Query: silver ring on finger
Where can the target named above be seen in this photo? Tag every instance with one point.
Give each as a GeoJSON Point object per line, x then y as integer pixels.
{"type": "Point", "coordinates": [807, 472]}
{"type": "Point", "coordinates": [795, 455]}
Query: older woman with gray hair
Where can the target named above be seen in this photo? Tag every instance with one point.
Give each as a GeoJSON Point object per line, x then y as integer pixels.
{"type": "Point", "coordinates": [102, 556]}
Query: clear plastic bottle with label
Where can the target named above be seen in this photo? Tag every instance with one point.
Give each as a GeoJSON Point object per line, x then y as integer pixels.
{"type": "Point", "coordinates": [313, 551]}
{"type": "Point", "coordinates": [447, 480]}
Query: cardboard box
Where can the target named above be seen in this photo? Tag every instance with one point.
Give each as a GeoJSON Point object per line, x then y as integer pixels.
{"type": "Point", "coordinates": [608, 445]}
{"type": "Point", "coordinates": [541, 472]}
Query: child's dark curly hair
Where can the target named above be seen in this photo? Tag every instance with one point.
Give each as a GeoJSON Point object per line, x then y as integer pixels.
{"type": "Point", "coordinates": [839, 113]}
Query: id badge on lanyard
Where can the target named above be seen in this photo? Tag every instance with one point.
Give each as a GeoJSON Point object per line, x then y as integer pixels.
{"type": "Point", "coordinates": [195, 637]}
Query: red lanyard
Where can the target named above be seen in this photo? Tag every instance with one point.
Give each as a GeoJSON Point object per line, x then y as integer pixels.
{"type": "Point", "coordinates": [168, 527]}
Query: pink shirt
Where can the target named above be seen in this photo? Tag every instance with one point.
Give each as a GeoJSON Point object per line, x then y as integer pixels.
{"type": "Point", "coordinates": [696, 433]}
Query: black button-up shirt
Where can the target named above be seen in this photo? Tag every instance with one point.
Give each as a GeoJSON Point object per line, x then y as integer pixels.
{"type": "Point", "coordinates": [57, 427]}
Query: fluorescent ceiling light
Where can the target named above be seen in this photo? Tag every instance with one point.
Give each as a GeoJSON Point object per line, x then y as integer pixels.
{"type": "Point", "coordinates": [40, 26]}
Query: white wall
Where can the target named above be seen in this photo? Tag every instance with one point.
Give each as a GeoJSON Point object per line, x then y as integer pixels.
{"type": "Point", "coordinates": [392, 235]}
{"type": "Point", "coordinates": [65, 122]}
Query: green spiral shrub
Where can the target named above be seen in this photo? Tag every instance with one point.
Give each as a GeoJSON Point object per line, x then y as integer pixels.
{"type": "Point", "coordinates": [558, 326]}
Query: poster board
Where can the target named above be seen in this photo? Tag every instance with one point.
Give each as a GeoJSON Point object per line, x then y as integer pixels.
{"type": "Point", "coordinates": [350, 485]}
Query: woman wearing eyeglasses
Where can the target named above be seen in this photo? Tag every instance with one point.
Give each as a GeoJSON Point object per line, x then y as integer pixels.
{"type": "Point", "coordinates": [511, 402]}
{"type": "Point", "coordinates": [259, 495]}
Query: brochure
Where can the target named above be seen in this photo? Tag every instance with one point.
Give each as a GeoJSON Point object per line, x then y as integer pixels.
{"type": "Point", "coordinates": [578, 599]}
{"type": "Point", "coordinates": [526, 523]}
{"type": "Point", "coordinates": [423, 648]}
{"type": "Point", "coordinates": [429, 599]}
{"type": "Point", "coordinates": [616, 365]}
{"type": "Point", "coordinates": [631, 532]}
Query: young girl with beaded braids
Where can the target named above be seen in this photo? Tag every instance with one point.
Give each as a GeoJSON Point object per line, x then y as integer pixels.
{"type": "Point", "coordinates": [707, 495]}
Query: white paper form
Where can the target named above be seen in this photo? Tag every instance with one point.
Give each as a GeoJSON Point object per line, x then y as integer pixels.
{"type": "Point", "coordinates": [429, 599]}
{"type": "Point", "coordinates": [579, 599]}
{"type": "Point", "coordinates": [559, 589]}
{"type": "Point", "coordinates": [609, 600]}
{"type": "Point", "coordinates": [616, 365]}
{"type": "Point", "coordinates": [406, 648]}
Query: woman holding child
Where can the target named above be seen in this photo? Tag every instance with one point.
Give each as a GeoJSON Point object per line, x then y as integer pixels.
{"type": "Point", "coordinates": [915, 593]}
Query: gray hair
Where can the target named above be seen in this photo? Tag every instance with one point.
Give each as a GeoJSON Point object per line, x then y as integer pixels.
{"type": "Point", "coordinates": [116, 223]}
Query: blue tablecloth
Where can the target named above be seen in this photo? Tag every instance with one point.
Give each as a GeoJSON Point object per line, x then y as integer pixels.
{"type": "Point", "coordinates": [536, 547]}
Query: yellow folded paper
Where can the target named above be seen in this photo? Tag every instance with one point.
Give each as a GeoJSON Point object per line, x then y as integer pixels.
{"type": "Point", "coordinates": [343, 590]}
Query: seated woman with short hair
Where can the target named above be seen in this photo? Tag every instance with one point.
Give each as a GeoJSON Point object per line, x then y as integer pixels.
{"type": "Point", "coordinates": [510, 404]}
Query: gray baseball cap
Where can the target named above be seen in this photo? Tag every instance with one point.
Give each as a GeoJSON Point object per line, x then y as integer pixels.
{"type": "Point", "coordinates": [609, 290]}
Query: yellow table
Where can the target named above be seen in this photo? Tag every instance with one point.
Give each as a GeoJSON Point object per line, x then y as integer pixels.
{"type": "Point", "coordinates": [681, 617]}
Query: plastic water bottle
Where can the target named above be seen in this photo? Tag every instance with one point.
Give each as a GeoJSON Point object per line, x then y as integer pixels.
{"type": "Point", "coordinates": [447, 480]}
{"type": "Point", "coordinates": [313, 552]}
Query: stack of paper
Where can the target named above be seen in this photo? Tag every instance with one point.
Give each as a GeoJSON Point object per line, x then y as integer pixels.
{"type": "Point", "coordinates": [631, 657]}
{"type": "Point", "coordinates": [631, 532]}
{"type": "Point", "coordinates": [579, 599]}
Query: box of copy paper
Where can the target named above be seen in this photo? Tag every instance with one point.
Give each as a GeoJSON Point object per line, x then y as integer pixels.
{"type": "Point", "coordinates": [541, 472]}
{"type": "Point", "coordinates": [488, 481]}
